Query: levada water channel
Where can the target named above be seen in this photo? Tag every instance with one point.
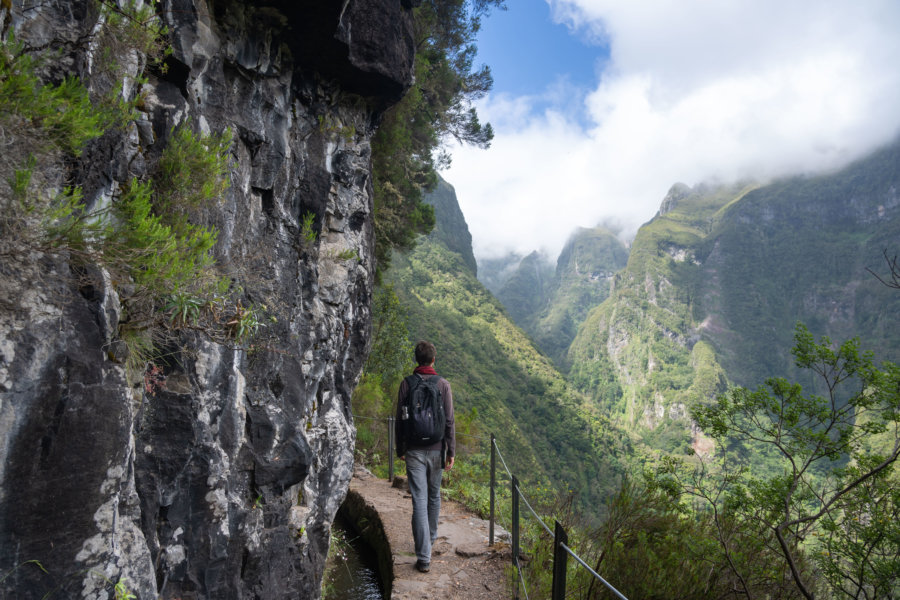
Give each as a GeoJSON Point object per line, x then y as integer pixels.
{"type": "Point", "coordinates": [352, 570]}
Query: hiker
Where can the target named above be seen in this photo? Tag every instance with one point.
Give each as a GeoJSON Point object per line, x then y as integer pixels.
{"type": "Point", "coordinates": [426, 440]}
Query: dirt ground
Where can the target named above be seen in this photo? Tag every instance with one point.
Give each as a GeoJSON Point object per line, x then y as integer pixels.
{"type": "Point", "coordinates": [462, 564]}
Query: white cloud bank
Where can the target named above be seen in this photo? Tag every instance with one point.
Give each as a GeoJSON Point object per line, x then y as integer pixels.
{"type": "Point", "coordinates": [693, 90]}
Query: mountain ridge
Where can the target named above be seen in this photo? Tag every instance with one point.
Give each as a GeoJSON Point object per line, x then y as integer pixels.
{"type": "Point", "coordinates": [712, 288]}
{"type": "Point", "coordinates": [716, 281]}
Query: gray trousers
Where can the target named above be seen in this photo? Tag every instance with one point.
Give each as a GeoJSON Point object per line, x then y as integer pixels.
{"type": "Point", "coordinates": [424, 470]}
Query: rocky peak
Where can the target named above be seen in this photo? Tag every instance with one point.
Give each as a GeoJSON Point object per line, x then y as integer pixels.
{"type": "Point", "coordinates": [450, 224]}
{"type": "Point", "coordinates": [678, 191]}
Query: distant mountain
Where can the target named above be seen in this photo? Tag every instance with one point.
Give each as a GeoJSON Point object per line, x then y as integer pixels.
{"type": "Point", "coordinates": [717, 280]}
{"type": "Point", "coordinates": [551, 303]}
{"type": "Point", "coordinates": [451, 229]}
{"type": "Point", "coordinates": [495, 272]}
{"type": "Point", "coordinates": [549, 430]}
{"type": "Point", "coordinates": [527, 289]}
{"type": "Point", "coordinates": [584, 271]}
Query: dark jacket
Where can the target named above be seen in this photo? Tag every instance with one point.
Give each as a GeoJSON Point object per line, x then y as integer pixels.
{"type": "Point", "coordinates": [449, 441]}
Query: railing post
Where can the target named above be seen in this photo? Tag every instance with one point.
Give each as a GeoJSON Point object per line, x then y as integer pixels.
{"type": "Point", "coordinates": [560, 556]}
{"type": "Point", "coordinates": [515, 530]}
{"type": "Point", "coordinates": [493, 483]}
{"type": "Point", "coordinates": [390, 448]}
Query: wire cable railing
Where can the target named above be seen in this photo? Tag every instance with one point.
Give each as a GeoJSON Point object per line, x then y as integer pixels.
{"type": "Point", "coordinates": [494, 446]}
{"type": "Point", "coordinates": [561, 549]}
{"type": "Point", "coordinates": [593, 572]}
{"type": "Point", "coordinates": [536, 516]}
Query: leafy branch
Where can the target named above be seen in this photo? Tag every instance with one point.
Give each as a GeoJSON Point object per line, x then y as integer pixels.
{"type": "Point", "coordinates": [813, 435]}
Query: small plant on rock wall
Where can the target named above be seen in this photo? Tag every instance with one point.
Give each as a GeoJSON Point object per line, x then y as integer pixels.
{"type": "Point", "coordinates": [307, 232]}
{"type": "Point", "coordinates": [344, 255]}
{"type": "Point", "coordinates": [338, 551]}
{"type": "Point", "coordinates": [122, 591]}
{"type": "Point", "coordinates": [36, 563]}
{"type": "Point", "coordinates": [243, 323]}
{"type": "Point", "coordinates": [330, 125]}
{"type": "Point", "coordinates": [154, 379]}
{"type": "Point", "coordinates": [183, 309]}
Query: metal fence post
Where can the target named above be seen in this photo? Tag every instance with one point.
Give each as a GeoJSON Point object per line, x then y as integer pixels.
{"type": "Point", "coordinates": [515, 529]}
{"type": "Point", "coordinates": [390, 448]}
{"type": "Point", "coordinates": [560, 557]}
{"type": "Point", "coordinates": [493, 483]}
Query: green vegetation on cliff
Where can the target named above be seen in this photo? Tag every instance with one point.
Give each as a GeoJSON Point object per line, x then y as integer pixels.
{"type": "Point", "coordinates": [407, 149]}
{"type": "Point", "coordinates": [638, 353]}
{"type": "Point", "coordinates": [716, 282]}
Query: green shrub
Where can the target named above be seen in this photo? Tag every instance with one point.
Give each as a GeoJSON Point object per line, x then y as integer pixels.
{"type": "Point", "coordinates": [192, 171]}
{"type": "Point", "coordinates": [160, 257]}
{"type": "Point", "coordinates": [51, 116]}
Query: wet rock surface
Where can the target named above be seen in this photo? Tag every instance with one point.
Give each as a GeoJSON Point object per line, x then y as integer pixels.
{"type": "Point", "coordinates": [220, 477]}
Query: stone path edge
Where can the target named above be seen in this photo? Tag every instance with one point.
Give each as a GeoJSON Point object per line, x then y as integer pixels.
{"type": "Point", "coordinates": [464, 566]}
{"type": "Point", "coordinates": [366, 521]}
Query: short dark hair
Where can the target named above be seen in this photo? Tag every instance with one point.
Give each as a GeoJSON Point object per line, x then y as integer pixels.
{"type": "Point", "coordinates": [425, 353]}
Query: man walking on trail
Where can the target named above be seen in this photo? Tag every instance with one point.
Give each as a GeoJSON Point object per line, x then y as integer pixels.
{"type": "Point", "coordinates": [426, 440]}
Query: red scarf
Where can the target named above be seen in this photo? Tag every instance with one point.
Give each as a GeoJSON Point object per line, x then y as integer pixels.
{"type": "Point", "coordinates": [426, 370]}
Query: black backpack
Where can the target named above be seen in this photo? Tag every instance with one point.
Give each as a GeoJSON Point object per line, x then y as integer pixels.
{"type": "Point", "coordinates": [422, 413]}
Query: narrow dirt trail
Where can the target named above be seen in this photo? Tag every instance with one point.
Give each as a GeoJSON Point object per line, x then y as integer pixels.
{"type": "Point", "coordinates": [463, 565]}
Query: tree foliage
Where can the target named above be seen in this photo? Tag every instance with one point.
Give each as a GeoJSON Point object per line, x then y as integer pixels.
{"type": "Point", "coordinates": [409, 146]}
{"type": "Point", "coordinates": [836, 453]}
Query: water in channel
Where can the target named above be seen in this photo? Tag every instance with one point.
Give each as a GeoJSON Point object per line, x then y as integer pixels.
{"type": "Point", "coordinates": [354, 573]}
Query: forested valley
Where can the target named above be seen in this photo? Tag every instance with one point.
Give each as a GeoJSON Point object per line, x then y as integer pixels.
{"type": "Point", "coordinates": [223, 230]}
{"type": "Point", "coordinates": [717, 399]}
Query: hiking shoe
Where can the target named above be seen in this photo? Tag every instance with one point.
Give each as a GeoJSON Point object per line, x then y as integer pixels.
{"type": "Point", "coordinates": [423, 567]}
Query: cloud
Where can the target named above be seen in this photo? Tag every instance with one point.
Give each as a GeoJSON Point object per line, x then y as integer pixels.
{"type": "Point", "coordinates": [692, 90]}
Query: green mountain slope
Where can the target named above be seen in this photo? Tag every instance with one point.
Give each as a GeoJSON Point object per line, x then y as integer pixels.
{"type": "Point", "coordinates": [451, 229]}
{"type": "Point", "coordinates": [799, 250]}
{"type": "Point", "coordinates": [638, 353]}
{"type": "Point", "coordinates": [527, 289]}
{"type": "Point", "coordinates": [584, 271]}
{"type": "Point", "coordinates": [550, 304]}
{"type": "Point", "coordinates": [544, 425]}
{"type": "Point", "coordinates": [716, 281]}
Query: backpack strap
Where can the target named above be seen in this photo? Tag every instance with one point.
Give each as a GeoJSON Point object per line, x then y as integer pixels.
{"type": "Point", "coordinates": [411, 382]}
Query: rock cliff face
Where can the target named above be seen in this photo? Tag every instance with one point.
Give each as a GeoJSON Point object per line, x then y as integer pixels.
{"type": "Point", "coordinates": [219, 476]}
{"type": "Point", "coordinates": [451, 227]}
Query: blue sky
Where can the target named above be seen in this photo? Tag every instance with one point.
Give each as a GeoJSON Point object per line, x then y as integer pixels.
{"type": "Point", "coordinates": [528, 52]}
{"type": "Point", "coordinates": [599, 106]}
